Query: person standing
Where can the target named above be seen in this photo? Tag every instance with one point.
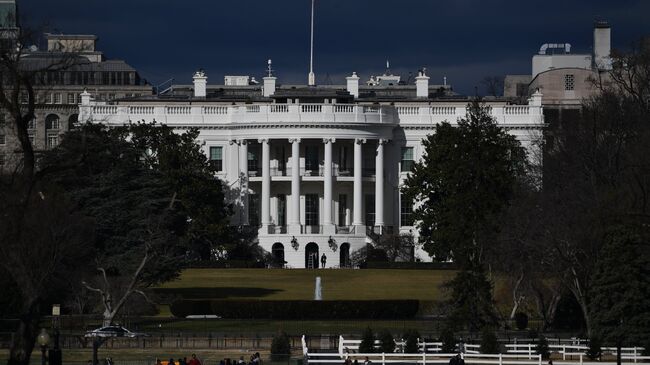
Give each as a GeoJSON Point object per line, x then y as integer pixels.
{"type": "Point", "coordinates": [323, 261]}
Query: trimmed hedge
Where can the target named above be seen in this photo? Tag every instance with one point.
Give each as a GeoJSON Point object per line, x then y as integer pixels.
{"type": "Point", "coordinates": [297, 309]}
{"type": "Point", "coordinates": [409, 265]}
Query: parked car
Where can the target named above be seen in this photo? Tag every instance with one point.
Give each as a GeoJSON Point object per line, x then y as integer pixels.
{"type": "Point", "coordinates": [114, 331]}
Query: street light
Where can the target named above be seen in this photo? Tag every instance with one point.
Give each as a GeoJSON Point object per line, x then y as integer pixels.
{"type": "Point", "coordinates": [43, 340]}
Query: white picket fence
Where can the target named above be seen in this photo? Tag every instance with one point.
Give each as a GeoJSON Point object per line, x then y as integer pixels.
{"type": "Point", "coordinates": [517, 354]}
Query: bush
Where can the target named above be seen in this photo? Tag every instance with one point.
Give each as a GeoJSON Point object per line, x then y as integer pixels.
{"type": "Point", "coordinates": [521, 321]}
{"type": "Point", "coordinates": [410, 265]}
{"type": "Point", "coordinates": [411, 338]}
{"type": "Point", "coordinates": [489, 342]}
{"type": "Point", "coordinates": [448, 340]}
{"type": "Point", "coordinates": [387, 342]}
{"type": "Point", "coordinates": [297, 309]}
{"type": "Point", "coordinates": [367, 344]}
{"type": "Point", "coordinates": [280, 347]}
{"type": "Point", "coordinates": [542, 347]}
{"type": "Point", "coordinates": [594, 351]}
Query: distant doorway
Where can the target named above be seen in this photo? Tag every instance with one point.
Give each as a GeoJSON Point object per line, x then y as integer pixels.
{"type": "Point", "coordinates": [311, 256]}
{"type": "Point", "coordinates": [278, 254]}
{"type": "Point", "coordinates": [344, 253]}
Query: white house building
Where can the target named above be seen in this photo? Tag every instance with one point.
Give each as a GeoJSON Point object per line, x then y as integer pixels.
{"type": "Point", "coordinates": [317, 168]}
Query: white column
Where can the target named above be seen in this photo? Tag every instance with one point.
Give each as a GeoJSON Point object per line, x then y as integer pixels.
{"type": "Point", "coordinates": [243, 179]}
{"type": "Point", "coordinates": [357, 220]}
{"type": "Point", "coordinates": [379, 183]}
{"type": "Point", "coordinates": [294, 223]}
{"type": "Point", "coordinates": [328, 225]}
{"type": "Point", "coordinates": [266, 185]}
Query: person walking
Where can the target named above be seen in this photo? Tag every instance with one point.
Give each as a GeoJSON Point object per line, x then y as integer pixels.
{"type": "Point", "coordinates": [194, 360]}
{"type": "Point", "coordinates": [323, 261]}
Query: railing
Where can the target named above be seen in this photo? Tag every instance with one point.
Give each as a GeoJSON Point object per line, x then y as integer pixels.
{"type": "Point", "coordinates": [175, 110]}
{"type": "Point", "coordinates": [147, 110]}
{"type": "Point", "coordinates": [570, 351]}
{"type": "Point", "coordinates": [215, 110]}
{"type": "Point", "coordinates": [307, 113]}
{"type": "Point", "coordinates": [344, 229]}
{"type": "Point", "coordinates": [273, 229]}
{"type": "Point", "coordinates": [312, 229]}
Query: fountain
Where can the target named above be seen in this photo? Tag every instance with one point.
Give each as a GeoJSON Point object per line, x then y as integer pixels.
{"type": "Point", "coordinates": [318, 291]}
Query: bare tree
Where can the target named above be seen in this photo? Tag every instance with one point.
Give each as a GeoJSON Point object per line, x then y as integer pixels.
{"type": "Point", "coordinates": [493, 85]}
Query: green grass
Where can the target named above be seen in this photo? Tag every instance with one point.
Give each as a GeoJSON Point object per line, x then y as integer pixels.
{"type": "Point", "coordinates": [424, 285]}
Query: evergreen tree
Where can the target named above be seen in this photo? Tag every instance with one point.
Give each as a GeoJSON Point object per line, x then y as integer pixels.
{"type": "Point", "coordinates": [387, 343]}
{"type": "Point", "coordinates": [280, 347]}
{"type": "Point", "coordinates": [620, 290]}
{"type": "Point", "coordinates": [412, 346]}
{"type": "Point", "coordinates": [471, 301]}
{"type": "Point", "coordinates": [466, 177]}
{"type": "Point", "coordinates": [448, 340]}
{"type": "Point", "coordinates": [489, 341]}
{"type": "Point", "coordinates": [367, 344]}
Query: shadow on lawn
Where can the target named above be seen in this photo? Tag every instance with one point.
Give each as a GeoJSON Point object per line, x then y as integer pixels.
{"type": "Point", "coordinates": [216, 293]}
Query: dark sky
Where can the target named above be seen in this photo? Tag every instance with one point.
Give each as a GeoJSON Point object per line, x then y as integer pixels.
{"type": "Point", "coordinates": [464, 40]}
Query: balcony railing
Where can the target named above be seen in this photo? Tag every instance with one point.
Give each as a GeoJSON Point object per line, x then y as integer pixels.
{"type": "Point", "coordinates": [320, 172]}
{"type": "Point", "coordinates": [312, 229]}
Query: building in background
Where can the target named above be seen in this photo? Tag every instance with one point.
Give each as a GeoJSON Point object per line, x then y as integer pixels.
{"type": "Point", "coordinates": [78, 66]}
{"type": "Point", "coordinates": [316, 169]}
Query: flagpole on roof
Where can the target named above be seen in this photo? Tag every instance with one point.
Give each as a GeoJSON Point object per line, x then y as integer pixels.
{"type": "Point", "coordinates": [312, 76]}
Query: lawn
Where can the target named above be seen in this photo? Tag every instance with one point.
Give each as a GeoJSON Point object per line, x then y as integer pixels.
{"type": "Point", "coordinates": [277, 284]}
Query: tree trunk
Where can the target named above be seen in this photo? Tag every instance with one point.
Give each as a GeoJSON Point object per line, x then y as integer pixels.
{"type": "Point", "coordinates": [24, 338]}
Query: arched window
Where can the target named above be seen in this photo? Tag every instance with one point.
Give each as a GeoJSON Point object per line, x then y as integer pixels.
{"type": "Point", "coordinates": [72, 120]}
{"type": "Point", "coordinates": [344, 253]}
{"type": "Point", "coordinates": [52, 122]}
{"type": "Point", "coordinates": [278, 254]}
{"type": "Point", "coordinates": [311, 256]}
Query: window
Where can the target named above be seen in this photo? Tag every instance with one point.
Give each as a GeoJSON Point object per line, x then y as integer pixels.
{"type": "Point", "coordinates": [57, 98]}
{"type": "Point", "coordinates": [311, 210]}
{"type": "Point", "coordinates": [407, 159]}
{"type": "Point", "coordinates": [343, 158]}
{"type": "Point", "coordinates": [311, 158]}
{"type": "Point", "coordinates": [111, 96]}
{"type": "Point", "coordinates": [370, 210]}
{"type": "Point", "coordinates": [216, 158]}
{"type": "Point", "coordinates": [49, 98]}
{"type": "Point", "coordinates": [343, 209]}
{"type": "Point", "coordinates": [253, 166]}
{"type": "Point", "coordinates": [31, 124]}
{"type": "Point", "coordinates": [52, 122]}
{"type": "Point", "coordinates": [282, 210]}
{"type": "Point", "coordinates": [72, 98]}
{"type": "Point", "coordinates": [3, 139]}
{"type": "Point", "coordinates": [406, 212]}
{"type": "Point", "coordinates": [52, 141]}
{"type": "Point", "coordinates": [569, 82]}
{"type": "Point", "coordinates": [254, 210]}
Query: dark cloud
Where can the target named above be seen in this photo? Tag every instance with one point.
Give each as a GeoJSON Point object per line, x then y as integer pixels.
{"type": "Point", "coordinates": [462, 39]}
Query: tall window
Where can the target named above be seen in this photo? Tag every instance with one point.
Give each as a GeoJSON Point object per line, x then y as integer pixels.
{"type": "Point", "coordinates": [407, 159]}
{"type": "Point", "coordinates": [282, 210]}
{"type": "Point", "coordinates": [253, 159]}
{"type": "Point", "coordinates": [343, 209]}
{"type": "Point", "coordinates": [406, 211]}
{"type": "Point", "coordinates": [57, 98]}
{"type": "Point", "coordinates": [216, 157]}
{"type": "Point", "coordinates": [52, 141]}
{"type": "Point", "coordinates": [370, 210]}
{"type": "Point", "coordinates": [282, 159]}
{"type": "Point", "coordinates": [311, 210]}
{"type": "Point", "coordinates": [311, 158]}
{"type": "Point", "coordinates": [72, 98]}
{"type": "Point", "coordinates": [343, 158]}
{"type": "Point", "coordinates": [569, 82]}
{"type": "Point", "coordinates": [254, 210]}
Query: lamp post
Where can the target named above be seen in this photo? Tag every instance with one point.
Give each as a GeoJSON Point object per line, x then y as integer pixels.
{"type": "Point", "coordinates": [55, 357]}
{"type": "Point", "coordinates": [43, 340]}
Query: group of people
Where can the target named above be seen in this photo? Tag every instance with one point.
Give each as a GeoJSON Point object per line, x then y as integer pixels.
{"type": "Point", "coordinates": [255, 359]}
{"type": "Point", "coordinates": [192, 361]}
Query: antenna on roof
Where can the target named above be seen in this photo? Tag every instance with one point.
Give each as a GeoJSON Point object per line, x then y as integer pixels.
{"type": "Point", "coordinates": [269, 69]}
{"type": "Point", "coordinates": [388, 67]}
{"type": "Point", "coordinates": [312, 76]}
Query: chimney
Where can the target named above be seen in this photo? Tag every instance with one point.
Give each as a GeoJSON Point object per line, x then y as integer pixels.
{"type": "Point", "coordinates": [200, 84]}
{"type": "Point", "coordinates": [353, 85]}
{"type": "Point", "coordinates": [602, 45]}
{"type": "Point", "coordinates": [422, 85]}
{"type": "Point", "coordinates": [269, 86]}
